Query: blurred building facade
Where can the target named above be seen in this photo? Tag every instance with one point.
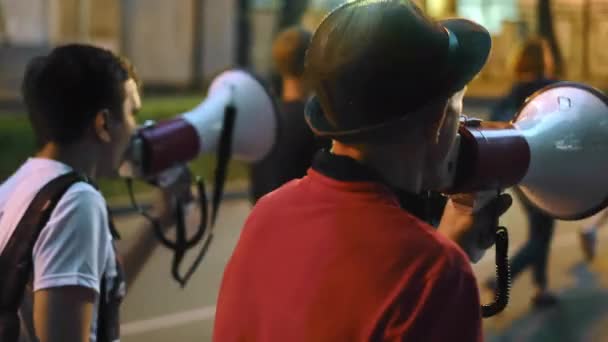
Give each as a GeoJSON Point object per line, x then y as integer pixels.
{"type": "Point", "coordinates": [580, 26]}
{"type": "Point", "coordinates": [172, 43]}
{"type": "Point", "coordinates": [183, 42]}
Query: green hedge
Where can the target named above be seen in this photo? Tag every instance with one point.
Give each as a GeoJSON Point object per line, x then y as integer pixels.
{"type": "Point", "coordinates": [17, 142]}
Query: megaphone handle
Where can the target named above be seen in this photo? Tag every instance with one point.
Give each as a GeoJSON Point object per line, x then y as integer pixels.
{"type": "Point", "coordinates": [503, 275]}
{"type": "Point", "coordinates": [182, 243]}
{"type": "Point", "coordinates": [158, 231]}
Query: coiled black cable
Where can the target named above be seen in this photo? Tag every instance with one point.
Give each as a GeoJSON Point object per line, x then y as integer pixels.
{"type": "Point", "coordinates": [503, 275]}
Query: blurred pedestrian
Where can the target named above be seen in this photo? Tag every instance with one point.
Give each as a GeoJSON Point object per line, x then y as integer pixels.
{"type": "Point", "coordinates": [533, 70]}
{"type": "Point", "coordinates": [296, 144]}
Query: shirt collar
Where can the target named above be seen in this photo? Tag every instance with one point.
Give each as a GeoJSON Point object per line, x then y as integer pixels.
{"type": "Point", "coordinates": [346, 169]}
{"type": "Point", "coordinates": [60, 167]}
{"type": "Point", "coordinates": [343, 168]}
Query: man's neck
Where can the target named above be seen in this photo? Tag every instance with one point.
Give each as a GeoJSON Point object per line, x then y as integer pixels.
{"type": "Point", "coordinates": [293, 90]}
{"type": "Point", "coordinates": [77, 156]}
{"type": "Point", "coordinates": [403, 173]}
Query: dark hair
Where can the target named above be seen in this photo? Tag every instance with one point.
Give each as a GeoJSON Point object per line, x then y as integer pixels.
{"type": "Point", "coordinates": [289, 51]}
{"type": "Point", "coordinates": [534, 59]}
{"type": "Point", "coordinates": [64, 90]}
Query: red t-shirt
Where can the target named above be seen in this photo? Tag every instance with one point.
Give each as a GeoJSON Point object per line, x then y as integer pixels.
{"type": "Point", "coordinates": [327, 260]}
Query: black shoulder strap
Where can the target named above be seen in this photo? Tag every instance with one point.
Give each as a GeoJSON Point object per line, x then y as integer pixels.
{"type": "Point", "coordinates": [16, 259]}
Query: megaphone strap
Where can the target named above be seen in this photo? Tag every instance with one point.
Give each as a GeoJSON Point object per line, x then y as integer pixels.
{"type": "Point", "coordinates": [224, 154]}
{"type": "Point", "coordinates": [181, 243]}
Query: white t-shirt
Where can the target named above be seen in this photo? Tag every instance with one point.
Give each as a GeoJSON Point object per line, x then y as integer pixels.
{"type": "Point", "coordinates": [74, 248]}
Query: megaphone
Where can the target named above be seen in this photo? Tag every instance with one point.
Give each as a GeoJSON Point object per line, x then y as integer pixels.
{"type": "Point", "coordinates": [158, 147]}
{"type": "Point", "coordinates": [554, 150]}
{"type": "Point", "coordinates": [238, 119]}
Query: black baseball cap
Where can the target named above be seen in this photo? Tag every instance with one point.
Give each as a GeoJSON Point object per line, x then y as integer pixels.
{"type": "Point", "coordinates": [372, 62]}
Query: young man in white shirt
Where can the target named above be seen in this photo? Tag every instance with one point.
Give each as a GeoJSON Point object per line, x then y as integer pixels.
{"type": "Point", "coordinates": [82, 102]}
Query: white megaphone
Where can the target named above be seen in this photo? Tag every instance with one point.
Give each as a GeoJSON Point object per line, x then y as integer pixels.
{"type": "Point", "coordinates": [158, 147]}
{"type": "Point", "coordinates": [554, 149]}
{"type": "Point", "coordinates": [238, 119]}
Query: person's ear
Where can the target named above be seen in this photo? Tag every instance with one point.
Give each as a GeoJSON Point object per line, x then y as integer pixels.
{"type": "Point", "coordinates": [452, 109]}
{"type": "Point", "coordinates": [436, 120]}
{"type": "Point", "coordinates": [101, 126]}
{"type": "Point", "coordinates": [456, 101]}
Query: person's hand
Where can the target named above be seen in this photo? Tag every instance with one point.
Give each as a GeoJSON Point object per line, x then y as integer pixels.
{"type": "Point", "coordinates": [473, 225]}
{"type": "Point", "coordinates": [177, 188]}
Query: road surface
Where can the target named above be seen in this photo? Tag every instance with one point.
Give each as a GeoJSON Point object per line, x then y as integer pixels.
{"type": "Point", "coordinates": [157, 309]}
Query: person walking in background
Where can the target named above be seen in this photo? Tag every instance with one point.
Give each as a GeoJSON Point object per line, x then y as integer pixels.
{"type": "Point", "coordinates": [296, 145]}
{"type": "Point", "coordinates": [534, 69]}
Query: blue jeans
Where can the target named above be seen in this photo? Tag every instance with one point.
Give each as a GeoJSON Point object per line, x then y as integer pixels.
{"type": "Point", "coordinates": [535, 251]}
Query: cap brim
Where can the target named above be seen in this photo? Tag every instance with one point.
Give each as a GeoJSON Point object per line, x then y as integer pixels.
{"type": "Point", "coordinates": [471, 53]}
{"type": "Point", "coordinates": [465, 61]}
{"type": "Point", "coordinates": [320, 126]}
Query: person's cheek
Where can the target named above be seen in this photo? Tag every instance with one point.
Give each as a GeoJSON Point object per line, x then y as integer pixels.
{"type": "Point", "coordinates": [126, 138]}
{"type": "Point", "coordinates": [132, 125]}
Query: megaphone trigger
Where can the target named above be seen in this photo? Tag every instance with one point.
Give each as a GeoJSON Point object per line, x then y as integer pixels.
{"type": "Point", "coordinates": [175, 176]}
{"type": "Point", "coordinates": [496, 204]}
{"type": "Point", "coordinates": [488, 206]}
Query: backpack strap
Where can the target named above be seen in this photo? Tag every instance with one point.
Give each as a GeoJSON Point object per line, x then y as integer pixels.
{"type": "Point", "coordinates": [108, 311]}
{"type": "Point", "coordinates": [16, 262]}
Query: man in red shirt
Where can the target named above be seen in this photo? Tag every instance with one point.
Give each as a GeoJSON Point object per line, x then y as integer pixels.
{"type": "Point", "coordinates": [334, 256]}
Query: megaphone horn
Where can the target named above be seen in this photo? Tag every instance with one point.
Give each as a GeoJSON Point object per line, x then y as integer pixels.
{"type": "Point", "coordinates": [490, 155]}
{"type": "Point", "coordinates": [554, 150]}
{"type": "Point", "coordinates": [159, 146]}
{"type": "Point", "coordinates": [238, 119]}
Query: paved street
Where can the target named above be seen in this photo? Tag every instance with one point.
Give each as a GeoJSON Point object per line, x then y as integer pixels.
{"type": "Point", "coordinates": [156, 309]}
